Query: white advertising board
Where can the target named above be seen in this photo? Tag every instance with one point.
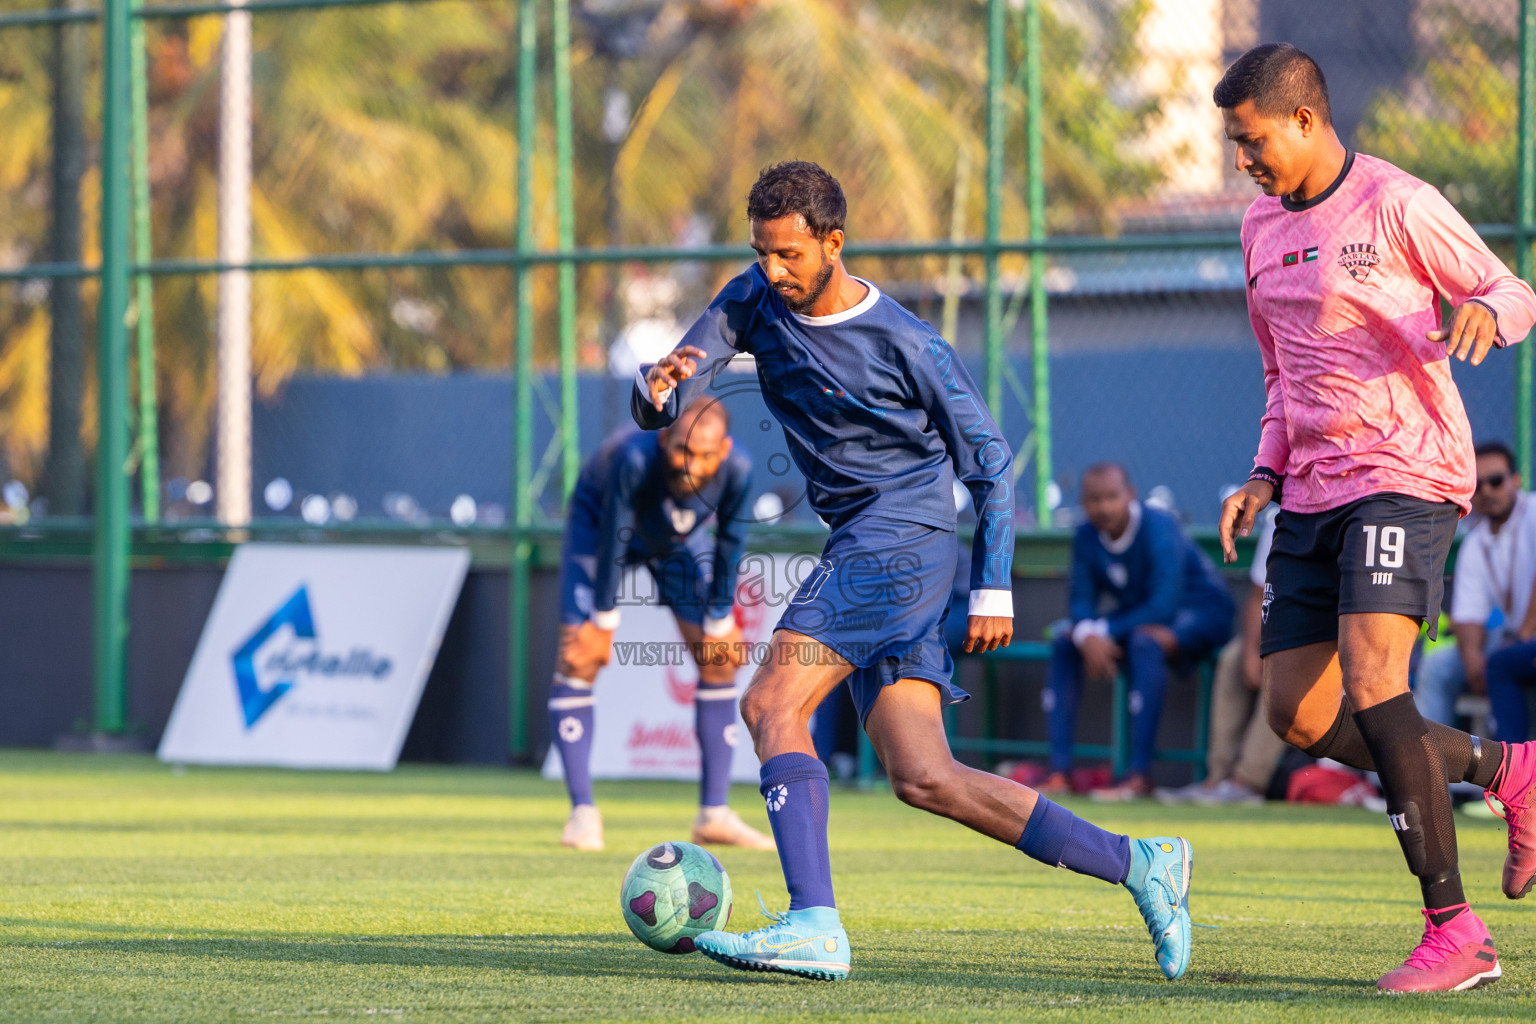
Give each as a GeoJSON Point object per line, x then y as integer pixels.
{"type": "Point", "coordinates": [314, 656]}
{"type": "Point", "coordinates": [643, 721]}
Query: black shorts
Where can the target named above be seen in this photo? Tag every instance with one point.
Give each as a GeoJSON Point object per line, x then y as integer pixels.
{"type": "Point", "coordinates": [1383, 553]}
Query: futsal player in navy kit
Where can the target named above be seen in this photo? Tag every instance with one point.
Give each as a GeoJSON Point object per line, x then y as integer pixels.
{"type": "Point", "coordinates": [648, 499]}
{"type": "Point", "coordinates": [882, 418]}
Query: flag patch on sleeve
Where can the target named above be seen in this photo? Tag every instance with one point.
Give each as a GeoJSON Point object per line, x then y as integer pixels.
{"type": "Point", "coordinates": [1308, 255]}
{"type": "Point", "coordinates": [1290, 259]}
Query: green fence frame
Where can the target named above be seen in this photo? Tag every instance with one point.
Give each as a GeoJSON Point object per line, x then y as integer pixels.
{"type": "Point", "coordinates": [126, 260]}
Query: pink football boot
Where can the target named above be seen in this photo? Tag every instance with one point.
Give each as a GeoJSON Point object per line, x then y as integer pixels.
{"type": "Point", "coordinates": [1452, 957]}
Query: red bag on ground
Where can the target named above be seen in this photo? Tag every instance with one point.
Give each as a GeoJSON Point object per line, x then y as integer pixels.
{"type": "Point", "coordinates": [1325, 784]}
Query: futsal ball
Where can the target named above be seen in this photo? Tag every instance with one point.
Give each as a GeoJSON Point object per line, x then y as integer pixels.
{"type": "Point", "coordinates": [674, 892]}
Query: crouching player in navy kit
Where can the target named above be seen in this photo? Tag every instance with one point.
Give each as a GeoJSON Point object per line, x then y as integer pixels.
{"type": "Point", "coordinates": [1142, 594]}
{"type": "Point", "coordinates": [644, 499]}
{"type": "Point", "coordinates": [881, 417]}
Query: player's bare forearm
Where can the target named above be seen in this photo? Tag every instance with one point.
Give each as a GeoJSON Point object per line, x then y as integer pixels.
{"type": "Point", "coordinates": [1238, 513]}
{"type": "Point", "coordinates": [1473, 330]}
{"type": "Point", "coordinates": [987, 633]}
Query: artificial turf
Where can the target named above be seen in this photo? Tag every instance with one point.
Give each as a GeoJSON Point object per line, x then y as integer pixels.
{"type": "Point", "coordinates": [133, 891]}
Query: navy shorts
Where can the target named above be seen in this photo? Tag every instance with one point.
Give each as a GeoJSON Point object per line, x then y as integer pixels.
{"type": "Point", "coordinates": [1382, 553]}
{"type": "Point", "coordinates": [682, 576]}
{"type": "Point", "coordinates": [879, 597]}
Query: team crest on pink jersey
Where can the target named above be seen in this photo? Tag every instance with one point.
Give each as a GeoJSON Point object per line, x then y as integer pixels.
{"type": "Point", "coordinates": [1358, 259]}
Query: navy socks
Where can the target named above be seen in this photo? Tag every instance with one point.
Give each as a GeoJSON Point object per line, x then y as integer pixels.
{"type": "Point", "coordinates": [1056, 836]}
{"type": "Point", "coordinates": [714, 722]}
{"type": "Point", "coordinates": [570, 729]}
{"type": "Point", "coordinates": [570, 725]}
{"type": "Point", "coordinates": [794, 786]}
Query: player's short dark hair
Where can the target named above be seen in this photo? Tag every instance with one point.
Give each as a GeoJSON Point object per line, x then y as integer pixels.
{"type": "Point", "coordinates": [1108, 466]}
{"type": "Point", "coordinates": [1500, 449]}
{"type": "Point", "coordinates": [799, 186]}
{"type": "Point", "coordinates": [1279, 78]}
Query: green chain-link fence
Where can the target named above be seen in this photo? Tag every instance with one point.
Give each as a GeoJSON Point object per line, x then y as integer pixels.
{"type": "Point", "coordinates": [470, 219]}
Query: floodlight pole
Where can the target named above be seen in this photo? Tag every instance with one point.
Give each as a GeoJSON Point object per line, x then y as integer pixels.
{"type": "Point", "coordinates": [233, 490]}
{"type": "Point", "coordinates": [109, 581]}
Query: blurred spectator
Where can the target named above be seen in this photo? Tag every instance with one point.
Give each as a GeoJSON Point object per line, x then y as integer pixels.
{"type": "Point", "coordinates": [1243, 750]}
{"type": "Point", "coordinates": [1490, 598]}
{"type": "Point", "coordinates": [1142, 595]}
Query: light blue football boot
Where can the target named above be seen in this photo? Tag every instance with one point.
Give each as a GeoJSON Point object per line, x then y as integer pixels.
{"type": "Point", "coordinates": [810, 943]}
{"type": "Point", "coordinates": [1159, 879]}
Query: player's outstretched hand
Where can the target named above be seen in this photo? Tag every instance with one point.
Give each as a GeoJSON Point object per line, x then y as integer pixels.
{"type": "Point", "coordinates": [1473, 329]}
{"type": "Point", "coordinates": [985, 633]}
{"type": "Point", "coordinates": [1238, 513]}
{"type": "Point", "coordinates": [676, 367]}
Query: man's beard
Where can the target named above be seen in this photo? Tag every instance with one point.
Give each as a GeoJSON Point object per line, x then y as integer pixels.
{"type": "Point", "coordinates": [813, 293]}
{"type": "Point", "coordinates": [682, 486]}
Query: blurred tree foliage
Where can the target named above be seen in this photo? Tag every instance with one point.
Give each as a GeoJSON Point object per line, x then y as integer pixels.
{"type": "Point", "coordinates": [393, 128]}
{"type": "Point", "coordinates": [1456, 128]}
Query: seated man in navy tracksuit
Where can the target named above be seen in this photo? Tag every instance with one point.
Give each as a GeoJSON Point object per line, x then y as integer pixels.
{"type": "Point", "coordinates": [1142, 595]}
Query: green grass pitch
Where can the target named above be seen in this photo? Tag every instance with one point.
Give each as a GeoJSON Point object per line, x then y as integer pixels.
{"type": "Point", "coordinates": [132, 892]}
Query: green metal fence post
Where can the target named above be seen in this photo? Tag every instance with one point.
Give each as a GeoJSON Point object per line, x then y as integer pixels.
{"type": "Point", "coordinates": [522, 376]}
{"type": "Point", "coordinates": [996, 133]}
{"type": "Point", "coordinates": [565, 206]}
{"type": "Point", "coordinates": [144, 295]}
{"type": "Point", "coordinates": [1039, 326]}
{"type": "Point", "coordinates": [1525, 224]}
{"type": "Point", "coordinates": [109, 581]}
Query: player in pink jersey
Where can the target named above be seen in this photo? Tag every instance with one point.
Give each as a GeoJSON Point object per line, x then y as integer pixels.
{"type": "Point", "coordinates": [1366, 446]}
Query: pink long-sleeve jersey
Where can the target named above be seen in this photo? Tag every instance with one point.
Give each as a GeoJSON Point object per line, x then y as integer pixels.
{"type": "Point", "coordinates": [1341, 291]}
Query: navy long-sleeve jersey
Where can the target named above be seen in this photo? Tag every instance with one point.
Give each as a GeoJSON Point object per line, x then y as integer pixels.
{"type": "Point", "coordinates": [877, 410]}
{"type": "Point", "coordinates": [1150, 581]}
{"type": "Point", "coordinates": [622, 493]}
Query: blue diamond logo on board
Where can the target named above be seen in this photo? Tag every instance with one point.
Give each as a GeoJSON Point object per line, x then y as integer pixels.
{"type": "Point", "coordinates": [255, 701]}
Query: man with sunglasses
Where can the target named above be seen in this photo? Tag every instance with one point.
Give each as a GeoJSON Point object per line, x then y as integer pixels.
{"type": "Point", "coordinates": [1501, 567]}
{"type": "Point", "coordinates": [1491, 595]}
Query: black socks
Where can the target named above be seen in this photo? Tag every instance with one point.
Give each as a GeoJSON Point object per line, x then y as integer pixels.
{"type": "Point", "coordinates": [1413, 777]}
{"type": "Point", "coordinates": [1343, 742]}
{"type": "Point", "coordinates": [1466, 758]}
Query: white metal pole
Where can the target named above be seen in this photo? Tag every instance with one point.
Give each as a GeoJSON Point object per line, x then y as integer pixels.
{"type": "Point", "coordinates": [233, 486]}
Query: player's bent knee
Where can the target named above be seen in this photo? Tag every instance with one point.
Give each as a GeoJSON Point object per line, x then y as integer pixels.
{"type": "Point", "coordinates": [1283, 723]}
{"type": "Point", "coordinates": [754, 709]}
{"type": "Point", "coordinates": [761, 709]}
{"type": "Point", "coordinates": [926, 787]}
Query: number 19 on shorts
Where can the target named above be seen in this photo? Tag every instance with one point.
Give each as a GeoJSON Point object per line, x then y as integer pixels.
{"type": "Point", "coordinates": [1391, 550]}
